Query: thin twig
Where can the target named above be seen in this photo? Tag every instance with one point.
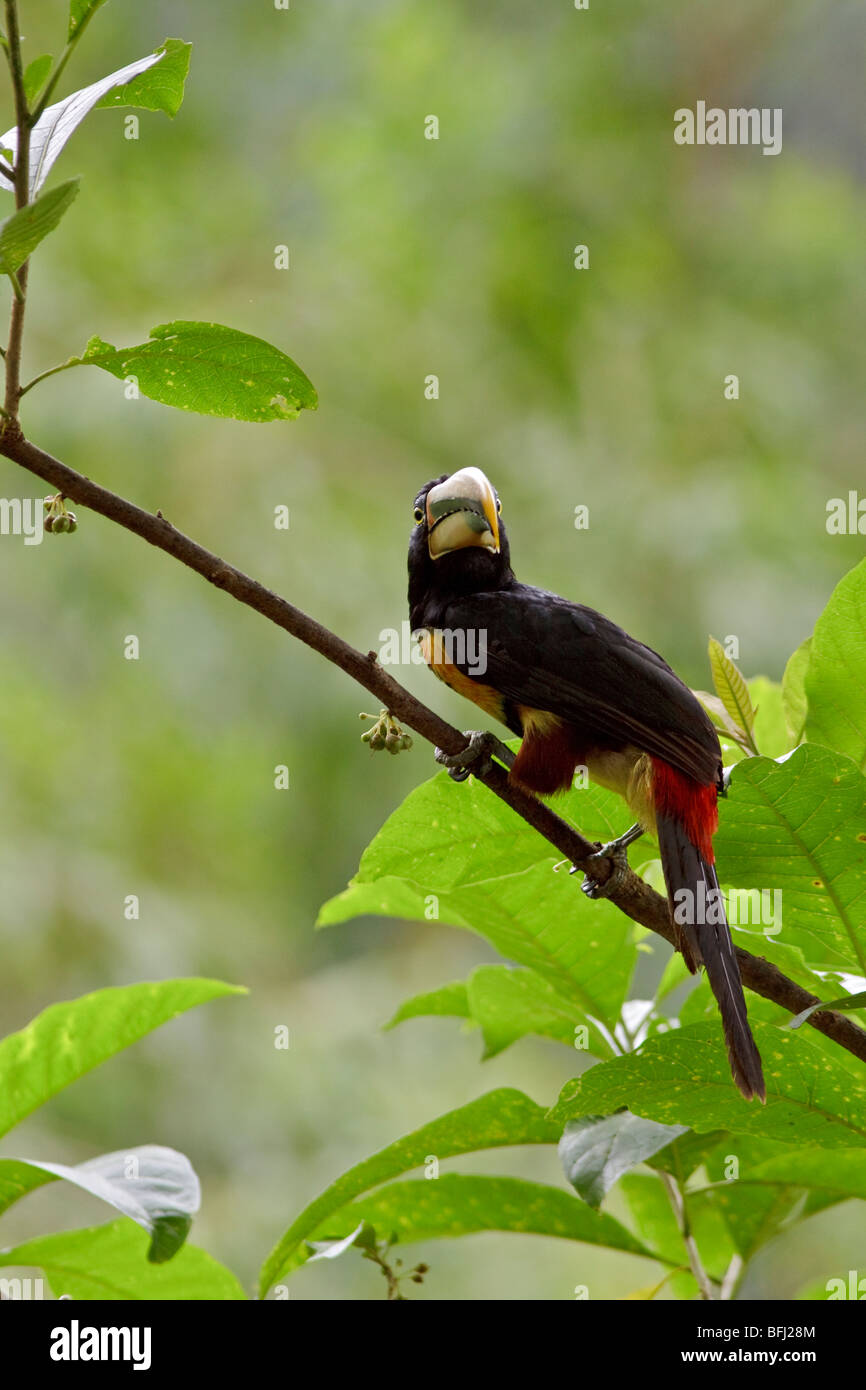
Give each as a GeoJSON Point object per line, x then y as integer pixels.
{"type": "Point", "coordinates": [52, 371]}
{"type": "Point", "coordinates": [635, 897]}
{"type": "Point", "coordinates": [704, 1283]}
{"type": "Point", "coordinates": [22, 194]}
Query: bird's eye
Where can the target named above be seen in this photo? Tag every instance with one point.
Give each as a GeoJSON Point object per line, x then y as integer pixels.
{"type": "Point", "coordinates": [419, 514]}
{"type": "Point", "coordinates": [498, 507]}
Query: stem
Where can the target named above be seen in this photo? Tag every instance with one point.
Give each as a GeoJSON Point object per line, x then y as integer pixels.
{"type": "Point", "coordinates": [635, 897]}
{"type": "Point", "coordinates": [61, 64]}
{"type": "Point", "coordinates": [52, 371]}
{"type": "Point", "coordinates": [22, 193]}
{"type": "Point", "coordinates": [732, 1278]}
{"type": "Point", "coordinates": [678, 1203]}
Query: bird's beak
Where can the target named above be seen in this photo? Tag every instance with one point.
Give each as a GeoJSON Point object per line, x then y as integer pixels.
{"type": "Point", "coordinates": [461, 512]}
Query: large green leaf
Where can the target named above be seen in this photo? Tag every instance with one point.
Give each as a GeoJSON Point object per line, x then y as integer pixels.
{"type": "Point", "coordinates": [835, 680]}
{"type": "Point", "coordinates": [500, 1118]}
{"type": "Point", "coordinates": [110, 1262]}
{"type": "Point", "coordinates": [458, 1204]}
{"type": "Point", "coordinates": [66, 1040]}
{"type": "Point", "coordinates": [753, 1211]}
{"type": "Point", "coordinates": [683, 1077]}
{"type": "Point", "coordinates": [459, 855]}
{"type": "Point", "coordinates": [210, 369]}
{"type": "Point", "coordinates": [800, 826]}
{"type": "Point", "coordinates": [794, 691]}
{"type": "Point", "coordinates": [155, 1186]}
{"type": "Point", "coordinates": [21, 233]}
{"type": "Point", "coordinates": [159, 88]}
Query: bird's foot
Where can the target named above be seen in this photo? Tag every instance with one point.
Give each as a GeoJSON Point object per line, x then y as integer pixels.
{"type": "Point", "coordinates": [617, 851]}
{"type": "Point", "coordinates": [483, 746]}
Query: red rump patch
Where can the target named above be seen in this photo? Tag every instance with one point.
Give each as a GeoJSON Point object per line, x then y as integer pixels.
{"type": "Point", "coordinates": [693, 804]}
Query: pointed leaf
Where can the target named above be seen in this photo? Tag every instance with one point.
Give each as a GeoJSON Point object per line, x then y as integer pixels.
{"type": "Point", "coordinates": [35, 76]}
{"type": "Point", "coordinates": [731, 688]}
{"type": "Point", "coordinates": [846, 1004]}
{"type": "Point", "coordinates": [500, 1118]}
{"type": "Point", "coordinates": [596, 1150]}
{"type": "Point", "coordinates": [110, 1262]}
{"type": "Point", "coordinates": [158, 88]}
{"type": "Point", "coordinates": [210, 369]}
{"type": "Point", "coordinates": [155, 1186]}
{"type": "Point", "coordinates": [794, 691]}
{"type": "Point", "coordinates": [80, 11]}
{"type": "Point", "coordinates": [459, 1204]}
{"type": "Point", "coordinates": [683, 1077]}
{"type": "Point", "coordinates": [799, 826]}
{"type": "Point", "coordinates": [21, 233]}
{"type": "Point", "coordinates": [486, 869]}
{"type": "Point", "coordinates": [449, 1001]}
{"type": "Point", "coordinates": [67, 1040]}
{"type": "Point", "coordinates": [835, 680]}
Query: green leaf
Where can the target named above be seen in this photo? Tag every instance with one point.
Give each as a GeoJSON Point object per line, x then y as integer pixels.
{"type": "Point", "coordinates": [838, 1171]}
{"type": "Point", "coordinates": [596, 1150]}
{"type": "Point", "coordinates": [35, 76]}
{"type": "Point", "coordinates": [159, 88]}
{"type": "Point", "coordinates": [110, 1262]}
{"type": "Point", "coordinates": [510, 1003]}
{"type": "Point", "coordinates": [770, 729]}
{"type": "Point", "coordinates": [650, 1204]}
{"type": "Point", "coordinates": [459, 850]}
{"type": "Point", "coordinates": [753, 1211]}
{"type": "Point", "coordinates": [846, 1004]}
{"type": "Point", "coordinates": [683, 1077]}
{"type": "Point", "coordinates": [458, 1204]}
{"type": "Point", "coordinates": [210, 369]}
{"type": "Point", "coordinates": [800, 826]}
{"type": "Point", "coordinates": [60, 121]}
{"type": "Point", "coordinates": [447, 1001]}
{"type": "Point", "coordinates": [21, 233]}
{"type": "Point", "coordinates": [80, 11]}
{"type": "Point", "coordinates": [835, 680]}
{"type": "Point", "coordinates": [507, 1003]}
{"type": "Point", "coordinates": [794, 691]}
{"type": "Point", "coordinates": [156, 1187]}
{"type": "Point", "coordinates": [67, 1040]}
{"type": "Point", "coordinates": [731, 688]}
{"type": "Point", "coordinates": [497, 1119]}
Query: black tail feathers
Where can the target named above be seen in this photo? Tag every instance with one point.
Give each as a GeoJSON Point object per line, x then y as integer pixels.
{"type": "Point", "coordinates": [699, 919]}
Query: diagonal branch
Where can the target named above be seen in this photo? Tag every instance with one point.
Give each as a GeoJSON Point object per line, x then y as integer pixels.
{"type": "Point", "coordinates": [635, 898]}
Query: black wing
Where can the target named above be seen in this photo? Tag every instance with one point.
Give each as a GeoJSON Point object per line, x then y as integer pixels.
{"type": "Point", "coordinates": [554, 655]}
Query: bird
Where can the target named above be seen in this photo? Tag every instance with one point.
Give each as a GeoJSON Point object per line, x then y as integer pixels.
{"type": "Point", "coordinates": [580, 693]}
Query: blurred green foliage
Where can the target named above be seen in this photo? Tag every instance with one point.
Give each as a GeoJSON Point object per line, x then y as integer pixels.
{"type": "Point", "coordinates": [601, 387]}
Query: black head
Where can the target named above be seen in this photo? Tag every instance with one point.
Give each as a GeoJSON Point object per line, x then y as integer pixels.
{"type": "Point", "coordinates": [459, 545]}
